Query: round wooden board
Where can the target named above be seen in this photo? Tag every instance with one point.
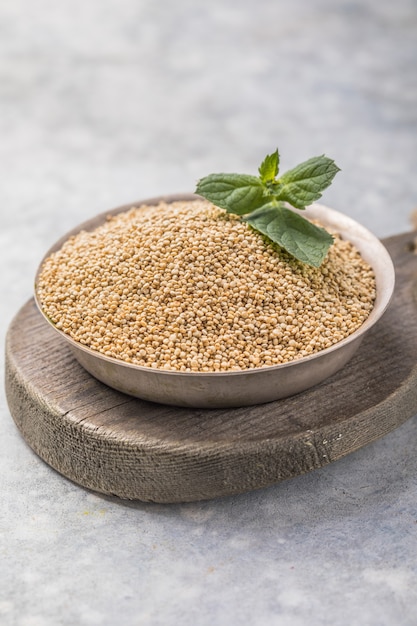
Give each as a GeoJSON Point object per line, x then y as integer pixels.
{"type": "Point", "coordinates": [118, 445]}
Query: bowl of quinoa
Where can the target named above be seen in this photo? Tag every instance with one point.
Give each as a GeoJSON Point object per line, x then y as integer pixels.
{"type": "Point", "coordinates": [173, 300]}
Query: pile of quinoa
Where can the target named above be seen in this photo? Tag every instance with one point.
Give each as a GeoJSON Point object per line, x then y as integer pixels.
{"type": "Point", "coordinates": [188, 287]}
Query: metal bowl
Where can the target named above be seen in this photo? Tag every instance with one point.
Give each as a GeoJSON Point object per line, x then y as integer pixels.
{"type": "Point", "coordinates": [245, 387]}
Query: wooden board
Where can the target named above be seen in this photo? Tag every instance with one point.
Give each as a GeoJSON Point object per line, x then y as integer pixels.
{"type": "Point", "coordinates": [115, 444]}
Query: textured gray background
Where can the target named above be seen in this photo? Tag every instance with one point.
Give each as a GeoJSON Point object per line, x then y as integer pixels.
{"type": "Point", "coordinates": [103, 102]}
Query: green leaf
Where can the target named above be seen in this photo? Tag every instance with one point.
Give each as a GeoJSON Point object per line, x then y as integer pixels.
{"type": "Point", "coordinates": [305, 241]}
{"type": "Point", "coordinates": [305, 183]}
{"type": "Point", "coordinates": [236, 193]}
{"type": "Point", "coordinates": [264, 197]}
{"type": "Point", "coordinates": [269, 167]}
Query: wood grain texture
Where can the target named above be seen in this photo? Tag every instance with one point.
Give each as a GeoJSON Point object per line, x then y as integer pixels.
{"type": "Point", "coordinates": [115, 444]}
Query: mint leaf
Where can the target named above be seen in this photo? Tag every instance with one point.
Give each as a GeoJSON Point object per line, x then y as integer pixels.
{"type": "Point", "coordinates": [302, 239]}
{"type": "Point", "coordinates": [269, 167]}
{"type": "Point", "coordinates": [264, 197]}
{"type": "Point", "coordinates": [304, 184]}
{"type": "Point", "coordinates": [236, 193]}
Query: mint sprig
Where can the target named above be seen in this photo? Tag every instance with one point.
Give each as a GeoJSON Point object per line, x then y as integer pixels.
{"type": "Point", "coordinates": [264, 197]}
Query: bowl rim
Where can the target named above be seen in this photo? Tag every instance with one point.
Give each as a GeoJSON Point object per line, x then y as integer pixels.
{"type": "Point", "coordinates": [334, 219]}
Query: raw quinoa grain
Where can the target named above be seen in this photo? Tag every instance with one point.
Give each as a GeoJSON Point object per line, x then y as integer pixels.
{"type": "Point", "coordinates": [188, 287]}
